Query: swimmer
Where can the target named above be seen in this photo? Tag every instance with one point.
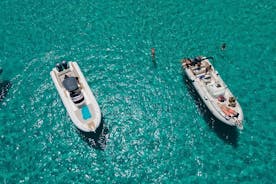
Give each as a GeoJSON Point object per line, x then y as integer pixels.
{"type": "Point", "coordinates": [153, 53]}
{"type": "Point", "coordinates": [223, 46]}
{"type": "Point", "coordinates": [153, 57]}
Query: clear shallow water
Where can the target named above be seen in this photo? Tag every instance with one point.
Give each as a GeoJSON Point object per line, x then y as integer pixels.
{"type": "Point", "coordinates": [155, 128]}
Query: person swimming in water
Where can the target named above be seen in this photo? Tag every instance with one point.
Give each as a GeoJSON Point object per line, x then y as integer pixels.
{"type": "Point", "coordinates": [223, 46]}
{"type": "Point", "coordinates": [153, 56]}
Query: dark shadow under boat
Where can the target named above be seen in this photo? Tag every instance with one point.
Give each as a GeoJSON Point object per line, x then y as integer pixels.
{"type": "Point", "coordinates": [98, 139]}
{"type": "Point", "coordinates": [4, 87]}
{"type": "Point", "coordinates": [227, 133]}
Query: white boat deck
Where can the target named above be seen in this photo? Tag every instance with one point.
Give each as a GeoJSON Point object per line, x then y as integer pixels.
{"type": "Point", "coordinates": [86, 115]}
{"type": "Point", "coordinates": [214, 92]}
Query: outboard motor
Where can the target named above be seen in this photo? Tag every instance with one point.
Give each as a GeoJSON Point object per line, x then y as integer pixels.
{"type": "Point", "coordinates": [59, 67]}
{"type": "Point", "coordinates": [65, 64]}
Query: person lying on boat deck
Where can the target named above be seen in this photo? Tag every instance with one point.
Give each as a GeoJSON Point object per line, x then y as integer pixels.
{"type": "Point", "coordinates": [187, 62]}
{"type": "Point", "coordinates": [232, 102]}
{"type": "Point", "coordinates": [233, 113]}
{"type": "Point", "coordinates": [228, 111]}
{"type": "Point", "coordinates": [208, 68]}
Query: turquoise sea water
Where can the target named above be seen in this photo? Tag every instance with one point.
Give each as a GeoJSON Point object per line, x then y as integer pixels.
{"type": "Point", "coordinates": [155, 129]}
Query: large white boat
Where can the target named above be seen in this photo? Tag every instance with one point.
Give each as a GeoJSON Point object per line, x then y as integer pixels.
{"type": "Point", "coordinates": [76, 96]}
{"type": "Point", "coordinates": [213, 91]}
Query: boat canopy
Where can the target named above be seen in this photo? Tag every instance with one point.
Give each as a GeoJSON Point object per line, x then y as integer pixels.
{"type": "Point", "coordinates": [70, 83]}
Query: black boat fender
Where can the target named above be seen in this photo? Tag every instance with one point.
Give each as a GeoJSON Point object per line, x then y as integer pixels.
{"type": "Point", "coordinates": [59, 67]}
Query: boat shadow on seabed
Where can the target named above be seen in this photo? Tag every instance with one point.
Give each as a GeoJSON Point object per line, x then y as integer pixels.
{"type": "Point", "coordinates": [98, 139]}
{"type": "Point", "coordinates": [225, 132]}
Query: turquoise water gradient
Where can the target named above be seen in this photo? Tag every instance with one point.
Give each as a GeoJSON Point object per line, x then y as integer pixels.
{"type": "Point", "coordinates": [155, 128]}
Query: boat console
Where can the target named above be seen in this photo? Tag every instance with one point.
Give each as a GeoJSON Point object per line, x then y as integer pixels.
{"type": "Point", "coordinates": [71, 85]}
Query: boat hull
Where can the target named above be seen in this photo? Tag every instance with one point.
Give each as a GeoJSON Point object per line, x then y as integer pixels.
{"type": "Point", "coordinates": [86, 115]}
{"type": "Point", "coordinates": [212, 103]}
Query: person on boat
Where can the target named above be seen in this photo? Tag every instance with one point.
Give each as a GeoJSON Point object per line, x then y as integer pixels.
{"type": "Point", "coordinates": [233, 112]}
{"type": "Point", "coordinates": [228, 111]}
{"type": "Point", "coordinates": [196, 60]}
{"type": "Point", "coordinates": [221, 98]}
{"type": "Point", "coordinates": [198, 65]}
{"type": "Point", "coordinates": [232, 102]}
{"type": "Point", "coordinates": [187, 62]}
{"type": "Point", "coordinates": [208, 68]}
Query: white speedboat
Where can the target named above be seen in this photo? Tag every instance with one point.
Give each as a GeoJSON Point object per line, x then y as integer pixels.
{"type": "Point", "coordinates": [213, 91]}
{"type": "Point", "coordinates": [76, 96]}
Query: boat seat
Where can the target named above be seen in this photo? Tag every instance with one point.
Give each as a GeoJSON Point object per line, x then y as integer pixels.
{"type": "Point", "coordinates": [75, 93]}
{"type": "Point", "coordinates": [76, 96]}
{"type": "Point", "coordinates": [85, 113]}
{"type": "Point", "coordinates": [199, 71]}
{"type": "Point", "coordinates": [78, 99]}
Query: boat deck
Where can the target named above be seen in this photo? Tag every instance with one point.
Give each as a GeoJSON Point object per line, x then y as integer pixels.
{"type": "Point", "coordinates": [78, 107]}
{"type": "Point", "coordinates": [214, 89]}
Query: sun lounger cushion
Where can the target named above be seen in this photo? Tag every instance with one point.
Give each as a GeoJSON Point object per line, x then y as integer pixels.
{"type": "Point", "coordinates": [85, 113]}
